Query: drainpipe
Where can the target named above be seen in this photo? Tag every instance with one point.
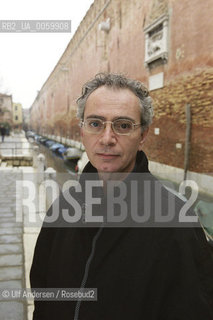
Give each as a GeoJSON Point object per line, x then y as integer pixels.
{"type": "Point", "coordinates": [187, 140]}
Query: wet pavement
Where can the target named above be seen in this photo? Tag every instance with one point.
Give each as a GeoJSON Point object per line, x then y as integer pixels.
{"type": "Point", "coordinates": [12, 274]}
{"type": "Point", "coordinates": [17, 240]}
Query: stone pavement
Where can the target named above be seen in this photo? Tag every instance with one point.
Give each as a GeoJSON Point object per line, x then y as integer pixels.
{"type": "Point", "coordinates": [16, 240]}
{"type": "Point", "coordinates": [12, 273]}
{"type": "Point", "coordinates": [15, 151]}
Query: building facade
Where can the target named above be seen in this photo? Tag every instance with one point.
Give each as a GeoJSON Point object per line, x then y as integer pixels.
{"type": "Point", "coordinates": [26, 119]}
{"type": "Point", "coordinates": [6, 110]}
{"type": "Point", "coordinates": [166, 44]}
{"type": "Point", "coordinates": [17, 116]}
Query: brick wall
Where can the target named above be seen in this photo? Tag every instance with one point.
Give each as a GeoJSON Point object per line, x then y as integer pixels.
{"type": "Point", "coordinates": [170, 118]}
{"type": "Point", "coordinates": [188, 74]}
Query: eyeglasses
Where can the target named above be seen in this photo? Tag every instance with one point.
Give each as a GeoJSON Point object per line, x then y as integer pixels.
{"type": "Point", "coordinates": [120, 126]}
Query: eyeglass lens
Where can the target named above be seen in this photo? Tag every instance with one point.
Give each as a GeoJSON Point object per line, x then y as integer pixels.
{"type": "Point", "coordinates": [120, 126]}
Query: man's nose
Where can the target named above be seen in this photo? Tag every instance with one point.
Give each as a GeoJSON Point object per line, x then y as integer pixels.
{"type": "Point", "coordinates": [108, 136]}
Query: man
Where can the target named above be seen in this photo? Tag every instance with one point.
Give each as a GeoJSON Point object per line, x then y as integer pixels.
{"type": "Point", "coordinates": [140, 271]}
{"type": "Point", "coordinates": [3, 132]}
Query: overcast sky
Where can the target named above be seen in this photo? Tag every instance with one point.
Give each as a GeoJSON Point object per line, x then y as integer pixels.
{"type": "Point", "coordinates": [27, 59]}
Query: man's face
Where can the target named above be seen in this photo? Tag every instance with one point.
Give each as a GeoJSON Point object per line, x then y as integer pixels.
{"type": "Point", "coordinates": [108, 151]}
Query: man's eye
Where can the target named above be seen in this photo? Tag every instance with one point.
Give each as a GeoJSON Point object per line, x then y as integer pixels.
{"type": "Point", "coordinates": [94, 124]}
{"type": "Point", "coordinates": [123, 125]}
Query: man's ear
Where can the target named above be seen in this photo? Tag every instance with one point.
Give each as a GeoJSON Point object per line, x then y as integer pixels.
{"type": "Point", "coordinates": [143, 138]}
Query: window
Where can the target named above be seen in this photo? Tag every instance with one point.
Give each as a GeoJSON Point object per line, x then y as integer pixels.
{"type": "Point", "coordinates": [16, 117]}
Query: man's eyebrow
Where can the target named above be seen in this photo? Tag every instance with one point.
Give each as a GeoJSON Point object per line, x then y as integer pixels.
{"type": "Point", "coordinates": [125, 118]}
{"type": "Point", "coordinates": [95, 116]}
{"type": "Point", "coordinates": [92, 116]}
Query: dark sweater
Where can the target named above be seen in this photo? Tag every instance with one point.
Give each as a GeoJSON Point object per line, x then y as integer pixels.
{"type": "Point", "coordinates": [140, 273]}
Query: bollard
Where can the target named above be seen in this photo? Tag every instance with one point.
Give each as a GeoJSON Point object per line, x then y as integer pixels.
{"type": "Point", "coordinates": [52, 193]}
{"type": "Point", "coordinates": [41, 167]}
{"type": "Point", "coordinates": [35, 159]}
{"type": "Point", "coordinates": [50, 173]}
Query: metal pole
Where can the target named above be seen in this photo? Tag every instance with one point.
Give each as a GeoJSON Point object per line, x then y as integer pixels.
{"type": "Point", "coordinates": [188, 138]}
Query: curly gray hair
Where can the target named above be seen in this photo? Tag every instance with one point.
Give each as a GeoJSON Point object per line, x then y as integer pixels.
{"type": "Point", "coordinates": [117, 81]}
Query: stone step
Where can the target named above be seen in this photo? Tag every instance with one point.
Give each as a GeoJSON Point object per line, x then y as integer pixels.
{"type": "Point", "coordinates": [3, 164]}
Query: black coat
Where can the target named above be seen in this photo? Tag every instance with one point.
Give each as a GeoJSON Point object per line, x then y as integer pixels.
{"type": "Point", "coordinates": [140, 273]}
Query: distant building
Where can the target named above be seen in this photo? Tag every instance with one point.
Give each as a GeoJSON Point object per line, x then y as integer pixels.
{"type": "Point", "coordinates": [26, 119]}
{"type": "Point", "coordinates": [6, 110]}
{"type": "Point", "coordinates": [17, 116]}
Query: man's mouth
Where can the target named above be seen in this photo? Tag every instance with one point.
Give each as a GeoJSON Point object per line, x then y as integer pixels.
{"type": "Point", "coordinates": [108, 156]}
